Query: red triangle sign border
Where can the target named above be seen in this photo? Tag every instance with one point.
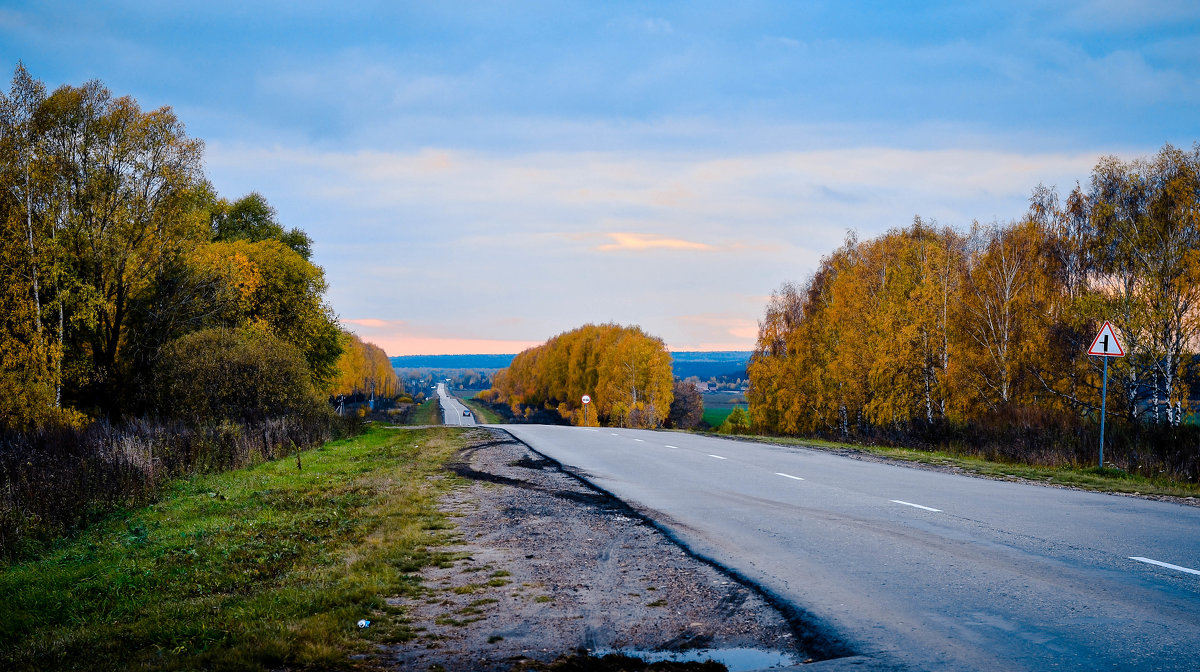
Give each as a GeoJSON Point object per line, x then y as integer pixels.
{"type": "Point", "coordinates": [1106, 329]}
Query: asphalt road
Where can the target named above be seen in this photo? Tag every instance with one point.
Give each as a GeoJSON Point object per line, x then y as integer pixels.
{"type": "Point", "coordinates": [916, 569]}
{"type": "Point", "coordinates": [452, 409]}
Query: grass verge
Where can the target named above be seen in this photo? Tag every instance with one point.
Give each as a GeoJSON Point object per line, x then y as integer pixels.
{"type": "Point", "coordinates": [259, 568]}
{"type": "Point", "coordinates": [483, 413]}
{"type": "Point", "coordinates": [1087, 478]}
{"type": "Point", "coordinates": [429, 412]}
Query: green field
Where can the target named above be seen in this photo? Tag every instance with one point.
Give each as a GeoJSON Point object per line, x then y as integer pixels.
{"type": "Point", "coordinates": [718, 406]}
{"type": "Point", "coordinates": [261, 568]}
{"type": "Point", "coordinates": [716, 416]}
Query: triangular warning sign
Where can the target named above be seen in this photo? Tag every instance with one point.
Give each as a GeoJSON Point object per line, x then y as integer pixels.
{"type": "Point", "coordinates": [1106, 343]}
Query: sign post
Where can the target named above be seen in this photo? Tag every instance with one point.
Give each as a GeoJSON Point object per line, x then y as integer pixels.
{"type": "Point", "coordinates": [586, 400]}
{"type": "Point", "coordinates": [1105, 345]}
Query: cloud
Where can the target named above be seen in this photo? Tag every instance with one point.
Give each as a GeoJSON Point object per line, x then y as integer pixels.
{"type": "Point", "coordinates": [398, 337]}
{"type": "Point", "coordinates": [715, 331]}
{"type": "Point", "coordinates": [649, 25]}
{"type": "Point", "coordinates": [370, 323]}
{"type": "Point", "coordinates": [437, 249]}
{"type": "Point", "coordinates": [645, 241]}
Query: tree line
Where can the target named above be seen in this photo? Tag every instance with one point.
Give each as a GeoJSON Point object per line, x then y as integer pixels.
{"type": "Point", "coordinates": [121, 268]}
{"type": "Point", "coordinates": [930, 325]}
{"type": "Point", "coordinates": [626, 372]}
{"type": "Point", "coordinates": [364, 369]}
{"type": "Point", "coordinates": [148, 326]}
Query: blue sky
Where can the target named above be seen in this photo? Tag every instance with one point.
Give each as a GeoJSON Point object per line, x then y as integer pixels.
{"type": "Point", "coordinates": [478, 176]}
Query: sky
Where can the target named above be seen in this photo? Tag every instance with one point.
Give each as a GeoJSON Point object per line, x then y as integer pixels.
{"type": "Point", "coordinates": [480, 176]}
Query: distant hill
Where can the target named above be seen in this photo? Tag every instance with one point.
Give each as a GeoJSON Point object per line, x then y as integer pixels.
{"type": "Point", "coordinates": [704, 365]}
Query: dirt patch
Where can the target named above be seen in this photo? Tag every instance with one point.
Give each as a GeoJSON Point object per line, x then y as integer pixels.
{"type": "Point", "coordinates": [548, 567]}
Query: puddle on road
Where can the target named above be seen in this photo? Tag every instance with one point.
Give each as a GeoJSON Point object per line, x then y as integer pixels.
{"type": "Point", "coordinates": [737, 660]}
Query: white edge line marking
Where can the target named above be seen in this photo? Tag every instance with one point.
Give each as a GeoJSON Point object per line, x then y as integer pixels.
{"type": "Point", "coordinates": [1167, 565]}
{"type": "Point", "coordinates": [719, 457]}
{"type": "Point", "coordinates": [794, 478]}
{"type": "Point", "coordinates": [917, 506]}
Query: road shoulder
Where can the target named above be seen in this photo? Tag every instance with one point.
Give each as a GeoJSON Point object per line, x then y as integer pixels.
{"type": "Point", "coordinates": [546, 566]}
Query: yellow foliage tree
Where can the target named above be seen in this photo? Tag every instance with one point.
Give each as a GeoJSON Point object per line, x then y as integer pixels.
{"type": "Point", "coordinates": [364, 368]}
{"type": "Point", "coordinates": [626, 372]}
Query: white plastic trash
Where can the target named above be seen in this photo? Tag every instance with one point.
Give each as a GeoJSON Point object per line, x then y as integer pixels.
{"type": "Point", "coordinates": [364, 623]}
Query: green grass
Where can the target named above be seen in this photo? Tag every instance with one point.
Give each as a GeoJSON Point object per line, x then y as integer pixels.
{"type": "Point", "coordinates": [483, 413]}
{"type": "Point", "coordinates": [1088, 478]}
{"type": "Point", "coordinates": [260, 568]}
{"type": "Point", "coordinates": [428, 412]}
{"type": "Point", "coordinates": [715, 417]}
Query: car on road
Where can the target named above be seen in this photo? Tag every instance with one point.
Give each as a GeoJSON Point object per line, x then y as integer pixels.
{"type": "Point", "coordinates": [466, 412]}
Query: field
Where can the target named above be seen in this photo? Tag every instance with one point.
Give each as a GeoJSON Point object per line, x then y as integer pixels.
{"type": "Point", "coordinates": [718, 406]}
{"type": "Point", "coordinates": [261, 568]}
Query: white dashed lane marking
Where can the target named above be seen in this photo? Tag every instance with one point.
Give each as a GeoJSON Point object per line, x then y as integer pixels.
{"type": "Point", "coordinates": [1167, 565]}
{"type": "Point", "coordinates": [794, 478]}
{"type": "Point", "coordinates": [915, 506]}
{"type": "Point", "coordinates": [719, 457]}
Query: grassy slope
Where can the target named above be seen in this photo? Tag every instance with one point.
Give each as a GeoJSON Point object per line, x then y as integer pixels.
{"type": "Point", "coordinates": [253, 569]}
{"type": "Point", "coordinates": [427, 413]}
{"type": "Point", "coordinates": [1107, 480]}
{"type": "Point", "coordinates": [483, 413]}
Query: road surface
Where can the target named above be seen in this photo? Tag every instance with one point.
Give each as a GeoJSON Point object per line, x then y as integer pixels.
{"type": "Point", "coordinates": [917, 569]}
{"type": "Point", "coordinates": [452, 409]}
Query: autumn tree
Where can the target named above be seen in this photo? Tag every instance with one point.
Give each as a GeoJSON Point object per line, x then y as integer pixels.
{"type": "Point", "coordinates": [626, 372]}
{"type": "Point", "coordinates": [1004, 276]}
{"type": "Point", "coordinates": [687, 406]}
{"type": "Point", "coordinates": [364, 368]}
{"type": "Point", "coordinates": [1147, 218]}
{"type": "Point", "coordinates": [927, 324]}
{"type": "Point", "coordinates": [107, 256]}
{"type": "Point", "coordinates": [252, 218]}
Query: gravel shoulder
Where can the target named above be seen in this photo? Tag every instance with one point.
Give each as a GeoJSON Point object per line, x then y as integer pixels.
{"type": "Point", "coordinates": [547, 566]}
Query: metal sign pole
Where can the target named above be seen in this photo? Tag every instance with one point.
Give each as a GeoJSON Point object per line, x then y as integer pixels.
{"type": "Point", "coordinates": [1105, 345]}
{"type": "Point", "coordinates": [1103, 407]}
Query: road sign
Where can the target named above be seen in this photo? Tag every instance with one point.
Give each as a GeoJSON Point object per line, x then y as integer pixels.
{"type": "Point", "coordinates": [587, 399]}
{"type": "Point", "coordinates": [1106, 343]}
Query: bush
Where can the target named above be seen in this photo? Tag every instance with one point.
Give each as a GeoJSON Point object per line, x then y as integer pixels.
{"type": "Point", "coordinates": [235, 375]}
{"type": "Point", "coordinates": [687, 407]}
{"type": "Point", "coordinates": [738, 422]}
